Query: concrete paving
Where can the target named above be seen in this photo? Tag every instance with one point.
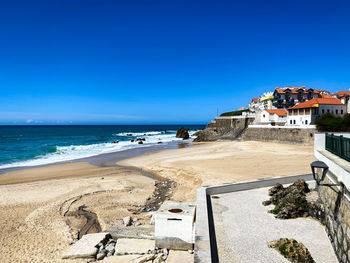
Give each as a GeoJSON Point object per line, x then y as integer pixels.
{"type": "Point", "coordinates": [243, 228]}
{"type": "Point", "coordinates": [133, 246]}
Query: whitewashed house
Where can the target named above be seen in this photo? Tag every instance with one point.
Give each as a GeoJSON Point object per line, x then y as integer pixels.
{"type": "Point", "coordinates": [253, 105]}
{"type": "Point", "coordinates": [273, 117]}
{"type": "Point", "coordinates": [306, 112]}
{"type": "Point", "coordinates": [344, 97]}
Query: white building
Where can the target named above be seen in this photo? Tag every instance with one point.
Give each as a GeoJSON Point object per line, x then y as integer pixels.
{"type": "Point", "coordinates": [344, 97]}
{"type": "Point", "coordinates": [253, 105]}
{"type": "Point", "coordinates": [273, 117]}
{"type": "Point", "coordinates": [290, 96]}
{"type": "Point", "coordinates": [306, 112]}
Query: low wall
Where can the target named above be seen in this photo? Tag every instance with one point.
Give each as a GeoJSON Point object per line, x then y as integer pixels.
{"type": "Point", "coordinates": [280, 134]}
{"type": "Point", "coordinates": [337, 218]}
{"type": "Point", "coordinates": [336, 199]}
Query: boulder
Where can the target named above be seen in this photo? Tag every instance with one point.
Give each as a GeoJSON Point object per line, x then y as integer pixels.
{"type": "Point", "coordinates": [134, 246]}
{"type": "Point", "coordinates": [86, 247]}
{"type": "Point", "coordinates": [182, 133]}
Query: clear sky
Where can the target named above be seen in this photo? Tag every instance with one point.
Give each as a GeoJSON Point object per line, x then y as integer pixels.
{"type": "Point", "coordinates": [143, 62]}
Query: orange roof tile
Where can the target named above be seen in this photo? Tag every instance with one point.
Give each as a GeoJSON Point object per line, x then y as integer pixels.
{"type": "Point", "coordinates": [312, 103]}
{"type": "Point", "coordinates": [326, 96]}
{"type": "Point", "coordinates": [281, 112]}
{"type": "Point", "coordinates": [255, 100]}
{"type": "Point", "coordinates": [343, 93]}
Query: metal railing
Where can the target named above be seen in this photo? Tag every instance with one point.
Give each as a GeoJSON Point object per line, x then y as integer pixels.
{"type": "Point", "coordinates": [338, 145]}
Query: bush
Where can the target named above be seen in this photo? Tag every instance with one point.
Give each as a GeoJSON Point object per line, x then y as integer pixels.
{"type": "Point", "coordinates": [234, 113]}
{"type": "Point", "coordinates": [331, 123]}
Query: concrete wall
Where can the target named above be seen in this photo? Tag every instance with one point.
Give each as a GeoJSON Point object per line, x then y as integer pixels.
{"type": "Point", "coordinates": [279, 134]}
{"type": "Point", "coordinates": [230, 122]}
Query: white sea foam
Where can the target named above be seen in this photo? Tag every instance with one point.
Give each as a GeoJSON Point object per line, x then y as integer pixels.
{"type": "Point", "coordinates": [138, 133]}
{"type": "Point", "coordinates": [68, 153]}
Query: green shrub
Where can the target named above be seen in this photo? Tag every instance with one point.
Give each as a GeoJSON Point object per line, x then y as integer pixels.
{"type": "Point", "coordinates": [331, 123]}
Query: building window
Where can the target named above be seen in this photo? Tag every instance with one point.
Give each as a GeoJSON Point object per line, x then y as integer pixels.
{"type": "Point", "coordinates": [336, 111]}
{"type": "Point", "coordinates": [306, 122]}
{"type": "Point", "coordinates": [264, 116]}
{"type": "Point", "coordinates": [328, 111]}
{"type": "Point", "coordinates": [290, 122]}
{"type": "Point", "coordinates": [342, 111]}
{"type": "Point", "coordinates": [294, 121]}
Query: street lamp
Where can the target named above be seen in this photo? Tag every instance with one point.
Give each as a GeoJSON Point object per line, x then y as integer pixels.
{"type": "Point", "coordinates": [317, 178]}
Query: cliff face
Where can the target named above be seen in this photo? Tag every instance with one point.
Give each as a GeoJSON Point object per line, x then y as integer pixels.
{"type": "Point", "coordinates": [224, 128]}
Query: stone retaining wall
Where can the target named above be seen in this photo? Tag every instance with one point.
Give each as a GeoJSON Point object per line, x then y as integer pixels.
{"type": "Point", "coordinates": [281, 135]}
{"type": "Point", "coordinates": [337, 218]}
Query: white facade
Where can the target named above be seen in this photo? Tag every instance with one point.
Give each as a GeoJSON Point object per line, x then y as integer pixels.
{"type": "Point", "coordinates": [266, 117]}
{"type": "Point", "coordinates": [307, 116]}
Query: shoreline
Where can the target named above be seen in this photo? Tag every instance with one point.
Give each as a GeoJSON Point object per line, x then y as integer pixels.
{"type": "Point", "coordinates": [107, 159]}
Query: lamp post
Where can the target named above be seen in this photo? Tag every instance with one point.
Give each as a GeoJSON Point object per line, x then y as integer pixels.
{"type": "Point", "coordinates": [317, 178]}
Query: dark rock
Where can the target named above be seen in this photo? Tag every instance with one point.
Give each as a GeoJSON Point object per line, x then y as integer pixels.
{"type": "Point", "coordinates": [160, 142]}
{"type": "Point", "coordinates": [292, 250]}
{"type": "Point", "coordinates": [115, 142]}
{"type": "Point", "coordinates": [182, 133]}
{"type": "Point", "coordinates": [289, 202]}
{"type": "Point", "coordinates": [132, 140]}
{"type": "Point", "coordinates": [140, 142]}
{"type": "Point", "coordinates": [129, 134]}
{"type": "Point", "coordinates": [100, 256]}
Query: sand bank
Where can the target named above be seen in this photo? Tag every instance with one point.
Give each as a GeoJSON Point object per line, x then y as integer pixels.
{"type": "Point", "coordinates": [224, 162]}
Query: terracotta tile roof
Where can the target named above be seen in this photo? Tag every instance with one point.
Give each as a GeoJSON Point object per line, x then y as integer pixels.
{"type": "Point", "coordinates": [342, 93]}
{"type": "Point", "coordinates": [255, 100]}
{"type": "Point", "coordinates": [281, 112]}
{"type": "Point", "coordinates": [326, 96]}
{"type": "Point", "coordinates": [315, 102]}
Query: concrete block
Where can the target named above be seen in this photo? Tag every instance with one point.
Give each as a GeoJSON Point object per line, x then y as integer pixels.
{"type": "Point", "coordinates": [174, 225]}
{"type": "Point", "coordinates": [126, 246]}
{"type": "Point", "coordinates": [86, 246]}
{"type": "Point", "coordinates": [121, 259]}
{"type": "Point", "coordinates": [179, 256]}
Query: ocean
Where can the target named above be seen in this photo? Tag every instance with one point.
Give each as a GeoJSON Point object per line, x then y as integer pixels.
{"type": "Point", "coordinates": [32, 145]}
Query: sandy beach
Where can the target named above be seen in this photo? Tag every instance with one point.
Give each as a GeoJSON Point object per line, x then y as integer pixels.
{"type": "Point", "coordinates": [35, 202]}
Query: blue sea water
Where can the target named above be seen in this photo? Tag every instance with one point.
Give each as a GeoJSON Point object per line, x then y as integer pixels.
{"type": "Point", "coordinates": [40, 144]}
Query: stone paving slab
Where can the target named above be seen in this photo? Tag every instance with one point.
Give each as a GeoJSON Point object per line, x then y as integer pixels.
{"type": "Point", "coordinates": [131, 232]}
{"type": "Point", "coordinates": [133, 246]}
{"type": "Point", "coordinates": [243, 228]}
{"type": "Point", "coordinates": [177, 256]}
{"type": "Point", "coordinates": [86, 246]}
{"type": "Point", "coordinates": [121, 259]}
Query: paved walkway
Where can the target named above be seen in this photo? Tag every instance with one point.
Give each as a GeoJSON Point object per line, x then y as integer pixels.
{"type": "Point", "coordinates": [243, 228]}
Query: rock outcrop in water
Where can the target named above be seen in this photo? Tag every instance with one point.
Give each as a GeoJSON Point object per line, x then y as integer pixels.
{"type": "Point", "coordinates": [182, 133]}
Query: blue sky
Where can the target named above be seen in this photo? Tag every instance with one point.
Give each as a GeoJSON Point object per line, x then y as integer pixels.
{"type": "Point", "coordinates": [143, 62]}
